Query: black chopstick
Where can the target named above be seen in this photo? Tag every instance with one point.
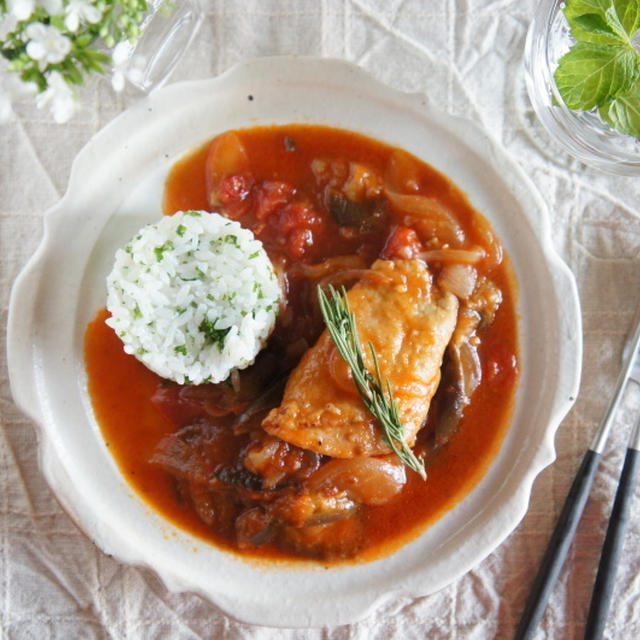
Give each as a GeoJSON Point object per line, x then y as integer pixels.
{"type": "Point", "coordinates": [559, 544]}
{"type": "Point", "coordinates": [613, 542]}
{"type": "Point", "coordinates": [567, 524]}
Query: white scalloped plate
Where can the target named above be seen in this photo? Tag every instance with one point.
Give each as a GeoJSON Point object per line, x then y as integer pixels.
{"type": "Point", "coordinates": [116, 186]}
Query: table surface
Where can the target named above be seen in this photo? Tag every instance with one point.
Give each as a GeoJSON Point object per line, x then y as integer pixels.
{"type": "Point", "coordinates": [467, 55]}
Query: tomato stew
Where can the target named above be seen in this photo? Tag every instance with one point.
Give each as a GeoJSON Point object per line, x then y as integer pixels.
{"type": "Point", "coordinates": [326, 204]}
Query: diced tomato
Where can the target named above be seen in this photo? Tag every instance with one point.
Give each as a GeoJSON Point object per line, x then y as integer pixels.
{"type": "Point", "coordinates": [298, 241]}
{"type": "Point", "coordinates": [296, 225]}
{"type": "Point", "coordinates": [272, 195]}
{"type": "Point", "coordinates": [227, 157]}
{"type": "Point", "coordinates": [403, 243]}
{"type": "Point", "coordinates": [297, 214]}
{"type": "Point", "coordinates": [236, 195]}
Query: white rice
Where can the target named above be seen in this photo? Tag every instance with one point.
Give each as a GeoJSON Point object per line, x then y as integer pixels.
{"type": "Point", "coordinates": [193, 297]}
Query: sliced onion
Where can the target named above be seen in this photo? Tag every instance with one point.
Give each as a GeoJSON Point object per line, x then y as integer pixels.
{"type": "Point", "coordinates": [459, 279]}
{"type": "Point", "coordinates": [470, 368]}
{"type": "Point", "coordinates": [283, 282]}
{"type": "Point", "coordinates": [489, 241]}
{"type": "Point", "coordinates": [342, 277]}
{"type": "Point", "coordinates": [463, 256]}
{"type": "Point", "coordinates": [330, 265]}
{"type": "Point", "coordinates": [402, 172]}
{"type": "Point", "coordinates": [259, 406]}
{"type": "Point", "coordinates": [419, 205]}
{"type": "Point", "coordinates": [370, 481]}
{"type": "Point", "coordinates": [436, 219]}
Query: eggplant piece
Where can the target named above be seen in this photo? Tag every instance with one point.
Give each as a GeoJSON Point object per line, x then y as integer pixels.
{"type": "Point", "coordinates": [345, 212]}
{"type": "Point", "coordinates": [254, 528]}
{"type": "Point", "coordinates": [335, 540]}
{"type": "Point", "coordinates": [366, 214]}
{"type": "Point", "coordinates": [252, 415]}
{"type": "Point", "coordinates": [462, 375]}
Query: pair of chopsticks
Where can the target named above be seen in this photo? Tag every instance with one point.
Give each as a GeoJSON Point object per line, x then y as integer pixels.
{"type": "Point", "coordinates": [567, 524]}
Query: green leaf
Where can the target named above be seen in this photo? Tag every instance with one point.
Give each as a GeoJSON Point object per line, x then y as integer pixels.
{"type": "Point", "coordinates": [596, 21]}
{"type": "Point", "coordinates": [71, 73]}
{"type": "Point", "coordinates": [590, 74]}
{"type": "Point", "coordinates": [33, 74]}
{"type": "Point", "coordinates": [611, 16]}
{"type": "Point", "coordinates": [575, 8]}
{"type": "Point", "coordinates": [58, 23]}
{"type": "Point", "coordinates": [629, 15]}
{"type": "Point", "coordinates": [83, 40]}
{"type": "Point", "coordinates": [596, 30]}
{"type": "Point", "coordinates": [98, 57]}
{"type": "Point", "coordinates": [92, 60]}
{"type": "Point", "coordinates": [623, 112]}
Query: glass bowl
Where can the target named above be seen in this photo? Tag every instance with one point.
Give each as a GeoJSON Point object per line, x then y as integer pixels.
{"type": "Point", "coordinates": [166, 33]}
{"type": "Point", "coordinates": [582, 133]}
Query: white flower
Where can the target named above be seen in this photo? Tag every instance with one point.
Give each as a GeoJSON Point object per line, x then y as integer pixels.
{"type": "Point", "coordinates": [126, 67]}
{"type": "Point", "coordinates": [79, 11]}
{"type": "Point", "coordinates": [52, 7]}
{"type": "Point", "coordinates": [46, 44]}
{"type": "Point", "coordinates": [8, 23]}
{"type": "Point", "coordinates": [58, 96]}
{"type": "Point", "coordinates": [21, 9]}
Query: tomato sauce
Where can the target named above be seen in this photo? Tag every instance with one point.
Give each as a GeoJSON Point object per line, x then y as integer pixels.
{"type": "Point", "coordinates": [281, 188]}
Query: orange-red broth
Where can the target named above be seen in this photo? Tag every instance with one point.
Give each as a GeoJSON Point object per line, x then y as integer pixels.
{"type": "Point", "coordinates": [121, 388]}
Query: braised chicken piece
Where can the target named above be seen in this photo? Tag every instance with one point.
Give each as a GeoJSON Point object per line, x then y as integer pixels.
{"type": "Point", "coordinates": [409, 321]}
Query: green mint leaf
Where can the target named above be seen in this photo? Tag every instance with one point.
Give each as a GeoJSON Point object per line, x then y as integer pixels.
{"type": "Point", "coordinates": [594, 29]}
{"type": "Point", "coordinates": [623, 112]}
{"type": "Point", "coordinates": [611, 16]}
{"type": "Point", "coordinates": [588, 75]}
{"type": "Point", "coordinates": [597, 21]}
{"type": "Point", "coordinates": [628, 12]}
{"type": "Point", "coordinates": [576, 8]}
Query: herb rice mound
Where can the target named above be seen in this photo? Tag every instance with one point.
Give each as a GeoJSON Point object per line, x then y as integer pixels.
{"type": "Point", "coordinates": [193, 297]}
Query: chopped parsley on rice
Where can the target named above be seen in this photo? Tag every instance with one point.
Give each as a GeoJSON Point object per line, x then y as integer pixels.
{"type": "Point", "coordinates": [193, 297]}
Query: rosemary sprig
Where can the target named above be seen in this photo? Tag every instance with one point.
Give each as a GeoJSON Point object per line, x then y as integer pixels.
{"type": "Point", "coordinates": [375, 393]}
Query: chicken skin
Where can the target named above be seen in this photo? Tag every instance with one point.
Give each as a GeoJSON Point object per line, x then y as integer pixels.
{"type": "Point", "coordinates": [409, 321]}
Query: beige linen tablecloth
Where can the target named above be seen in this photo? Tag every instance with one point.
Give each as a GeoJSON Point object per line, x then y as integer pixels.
{"type": "Point", "coordinates": [467, 55]}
